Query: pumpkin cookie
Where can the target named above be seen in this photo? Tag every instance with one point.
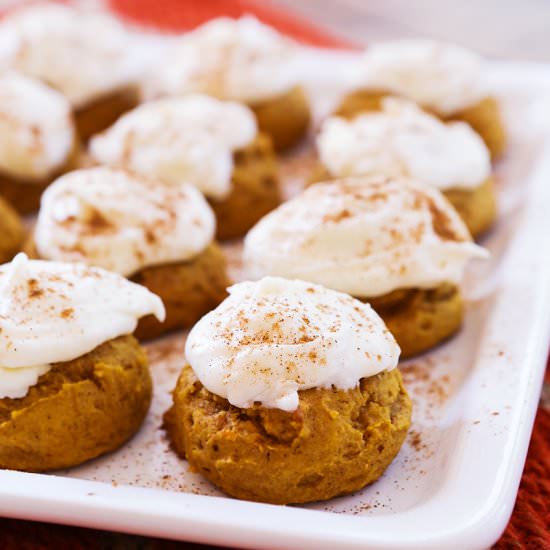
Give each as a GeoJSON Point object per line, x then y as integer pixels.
{"type": "Point", "coordinates": [211, 144]}
{"type": "Point", "coordinates": [11, 232]}
{"type": "Point", "coordinates": [240, 60]}
{"type": "Point", "coordinates": [391, 241]}
{"type": "Point", "coordinates": [313, 406]}
{"type": "Point", "coordinates": [87, 55]}
{"type": "Point", "coordinates": [158, 235]}
{"type": "Point", "coordinates": [66, 339]}
{"type": "Point", "coordinates": [442, 78]}
{"type": "Point", "coordinates": [284, 119]}
{"type": "Point", "coordinates": [421, 318]}
{"type": "Point", "coordinates": [37, 139]}
{"type": "Point", "coordinates": [400, 139]}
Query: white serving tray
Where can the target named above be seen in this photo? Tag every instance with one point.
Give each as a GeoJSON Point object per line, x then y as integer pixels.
{"type": "Point", "coordinates": [454, 483]}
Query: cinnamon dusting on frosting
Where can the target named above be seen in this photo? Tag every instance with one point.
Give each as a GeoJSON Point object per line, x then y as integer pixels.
{"type": "Point", "coordinates": [443, 224]}
{"type": "Point", "coordinates": [365, 236]}
{"type": "Point", "coordinates": [121, 221]}
{"type": "Point", "coordinates": [52, 312]}
{"type": "Point", "coordinates": [272, 338]}
{"type": "Point", "coordinates": [34, 290]}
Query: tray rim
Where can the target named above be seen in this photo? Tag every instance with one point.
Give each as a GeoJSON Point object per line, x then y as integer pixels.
{"type": "Point", "coordinates": [224, 521]}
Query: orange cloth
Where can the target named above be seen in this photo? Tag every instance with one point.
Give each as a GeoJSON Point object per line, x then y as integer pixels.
{"type": "Point", "coordinates": [529, 526]}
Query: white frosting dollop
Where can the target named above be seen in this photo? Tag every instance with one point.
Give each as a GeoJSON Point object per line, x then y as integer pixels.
{"type": "Point", "coordinates": [403, 140]}
{"type": "Point", "coordinates": [270, 339]}
{"type": "Point", "coordinates": [363, 236]}
{"type": "Point", "coordinates": [15, 383]}
{"type": "Point", "coordinates": [36, 128]}
{"type": "Point", "coordinates": [437, 75]}
{"type": "Point", "coordinates": [188, 139]}
{"type": "Point", "coordinates": [53, 312]}
{"type": "Point", "coordinates": [237, 59]}
{"type": "Point", "coordinates": [120, 221]}
{"type": "Point", "coordinates": [84, 54]}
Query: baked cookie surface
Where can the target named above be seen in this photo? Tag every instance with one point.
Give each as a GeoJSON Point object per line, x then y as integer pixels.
{"type": "Point", "coordinates": [477, 207]}
{"type": "Point", "coordinates": [25, 196]}
{"type": "Point", "coordinates": [486, 119]}
{"type": "Point", "coordinates": [419, 319]}
{"type": "Point", "coordinates": [255, 190]}
{"type": "Point", "coordinates": [335, 443]}
{"type": "Point", "coordinates": [101, 113]}
{"type": "Point", "coordinates": [188, 290]}
{"type": "Point", "coordinates": [285, 119]}
{"type": "Point", "coordinates": [11, 232]}
{"type": "Point", "coordinates": [78, 410]}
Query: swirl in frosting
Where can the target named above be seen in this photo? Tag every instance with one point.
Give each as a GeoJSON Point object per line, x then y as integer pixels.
{"type": "Point", "coordinates": [273, 338]}
{"type": "Point", "coordinates": [363, 236]}
{"type": "Point", "coordinates": [52, 312]}
{"type": "Point", "coordinates": [120, 221]}
{"type": "Point", "coordinates": [403, 140]}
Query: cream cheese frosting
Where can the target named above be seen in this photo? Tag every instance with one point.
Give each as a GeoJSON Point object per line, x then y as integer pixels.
{"type": "Point", "coordinates": [84, 54]}
{"type": "Point", "coordinates": [403, 140]}
{"type": "Point", "coordinates": [363, 236]}
{"type": "Point", "coordinates": [52, 312]}
{"type": "Point", "coordinates": [188, 139]}
{"type": "Point", "coordinates": [236, 59]}
{"type": "Point", "coordinates": [121, 221]}
{"type": "Point", "coordinates": [438, 75]}
{"type": "Point", "coordinates": [36, 128]}
{"type": "Point", "coordinates": [272, 338]}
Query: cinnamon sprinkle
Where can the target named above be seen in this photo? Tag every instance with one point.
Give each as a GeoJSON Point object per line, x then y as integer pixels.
{"type": "Point", "coordinates": [34, 290]}
{"type": "Point", "coordinates": [441, 222]}
{"type": "Point", "coordinates": [67, 313]}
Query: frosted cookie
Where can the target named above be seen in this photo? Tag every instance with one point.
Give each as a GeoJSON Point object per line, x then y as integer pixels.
{"type": "Point", "coordinates": [160, 236]}
{"type": "Point", "coordinates": [37, 139]}
{"type": "Point", "coordinates": [74, 382]}
{"type": "Point", "coordinates": [239, 60]}
{"type": "Point", "coordinates": [394, 243]}
{"type": "Point", "coordinates": [401, 140]}
{"type": "Point", "coordinates": [290, 394]}
{"type": "Point", "coordinates": [11, 232]}
{"type": "Point", "coordinates": [442, 78]}
{"type": "Point", "coordinates": [211, 144]}
{"type": "Point", "coordinates": [87, 55]}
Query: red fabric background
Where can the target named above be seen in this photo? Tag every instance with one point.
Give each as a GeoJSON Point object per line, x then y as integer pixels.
{"type": "Point", "coordinates": [180, 15]}
{"type": "Point", "coordinates": [529, 527]}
